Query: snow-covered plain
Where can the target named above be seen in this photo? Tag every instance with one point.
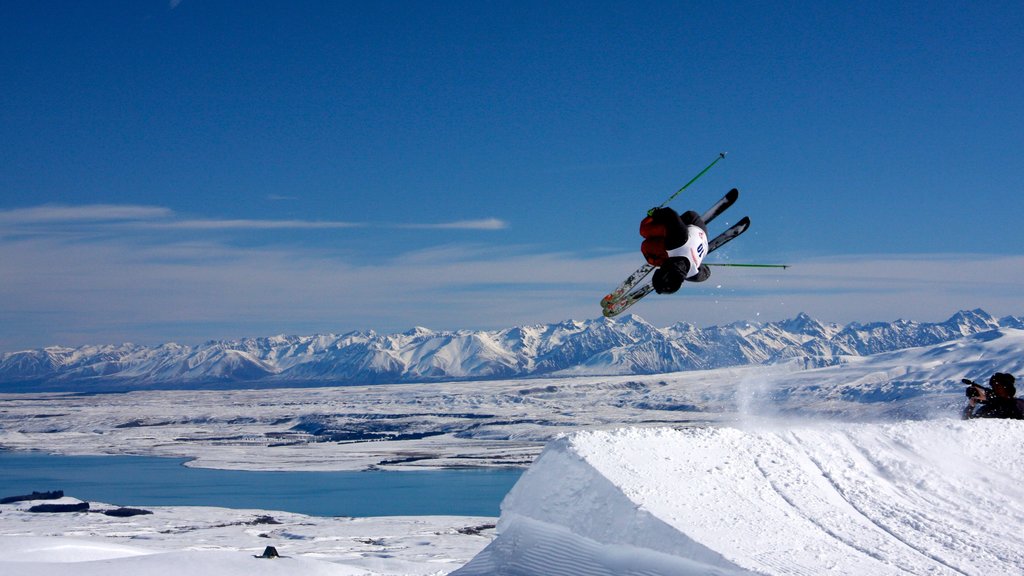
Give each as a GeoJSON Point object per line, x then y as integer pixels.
{"type": "Point", "coordinates": [206, 541]}
{"type": "Point", "coordinates": [859, 468]}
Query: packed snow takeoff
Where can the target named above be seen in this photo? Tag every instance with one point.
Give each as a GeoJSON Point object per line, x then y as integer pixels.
{"type": "Point", "coordinates": [627, 293]}
{"type": "Point", "coordinates": [937, 498]}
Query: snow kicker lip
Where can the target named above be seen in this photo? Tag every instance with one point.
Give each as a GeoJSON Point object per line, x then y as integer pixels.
{"type": "Point", "coordinates": [903, 498]}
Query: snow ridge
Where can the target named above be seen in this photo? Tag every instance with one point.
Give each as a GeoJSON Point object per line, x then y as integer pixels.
{"type": "Point", "coordinates": [929, 497]}
{"type": "Point", "coordinates": [600, 347]}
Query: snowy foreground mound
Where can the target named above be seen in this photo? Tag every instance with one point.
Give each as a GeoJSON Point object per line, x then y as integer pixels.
{"type": "Point", "coordinates": [209, 541]}
{"type": "Point", "coordinates": [940, 497]}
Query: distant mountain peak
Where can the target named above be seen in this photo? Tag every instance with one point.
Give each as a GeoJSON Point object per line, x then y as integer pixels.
{"type": "Point", "coordinates": [803, 324]}
{"type": "Point", "coordinates": [600, 346]}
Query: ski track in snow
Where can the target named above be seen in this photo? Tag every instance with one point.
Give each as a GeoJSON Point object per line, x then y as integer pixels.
{"type": "Point", "coordinates": [859, 517]}
{"type": "Point", "coordinates": [937, 498]}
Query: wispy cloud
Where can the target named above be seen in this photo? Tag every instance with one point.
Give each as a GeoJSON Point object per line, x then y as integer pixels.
{"type": "Point", "coordinates": [865, 288]}
{"type": "Point", "coordinates": [93, 213]}
{"type": "Point", "coordinates": [156, 217]}
{"type": "Point", "coordinates": [250, 224]}
{"type": "Point", "coordinates": [485, 224]}
{"type": "Point", "coordinates": [57, 289]}
{"type": "Point", "coordinates": [113, 290]}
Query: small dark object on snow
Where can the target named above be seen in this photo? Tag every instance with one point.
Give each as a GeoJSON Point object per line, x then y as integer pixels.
{"type": "Point", "coordinates": [263, 520]}
{"type": "Point", "coordinates": [58, 508]}
{"type": "Point", "coordinates": [270, 552]}
{"type": "Point", "coordinates": [126, 512]}
{"type": "Point", "coordinates": [475, 530]}
{"type": "Point", "coordinates": [33, 496]}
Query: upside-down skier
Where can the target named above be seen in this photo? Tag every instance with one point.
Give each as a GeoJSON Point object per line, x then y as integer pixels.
{"type": "Point", "coordinates": [674, 247]}
{"type": "Point", "coordinates": [677, 245]}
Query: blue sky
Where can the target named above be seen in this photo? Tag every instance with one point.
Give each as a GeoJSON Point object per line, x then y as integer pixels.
{"type": "Point", "coordinates": [188, 170]}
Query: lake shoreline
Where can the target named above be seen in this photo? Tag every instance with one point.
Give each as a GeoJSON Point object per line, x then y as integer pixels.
{"type": "Point", "coordinates": [140, 481]}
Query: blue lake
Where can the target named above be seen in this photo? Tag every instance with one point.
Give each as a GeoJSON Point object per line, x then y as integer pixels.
{"type": "Point", "coordinates": [144, 481]}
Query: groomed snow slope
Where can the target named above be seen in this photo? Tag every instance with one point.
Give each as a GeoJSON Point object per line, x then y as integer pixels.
{"type": "Point", "coordinates": [936, 497]}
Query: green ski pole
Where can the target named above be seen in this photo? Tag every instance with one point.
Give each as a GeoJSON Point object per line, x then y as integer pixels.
{"type": "Point", "coordinates": [687, 185]}
{"type": "Point", "coordinates": [783, 266]}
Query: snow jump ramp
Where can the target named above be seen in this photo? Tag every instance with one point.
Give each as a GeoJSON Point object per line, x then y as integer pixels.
{"type": "Point", "coordinates": [937, 497]}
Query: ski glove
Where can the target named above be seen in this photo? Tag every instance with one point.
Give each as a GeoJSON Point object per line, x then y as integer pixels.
{"type": "Point", "coordinates": [669, 277]}
{"type": "Point", "coordinates": [703, 273]}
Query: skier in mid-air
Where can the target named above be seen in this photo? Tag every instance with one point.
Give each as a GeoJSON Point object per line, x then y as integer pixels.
{"type": "Point", "coordinates": [674, 247]}
{"type": "Point", "coordinates": [677, 246]}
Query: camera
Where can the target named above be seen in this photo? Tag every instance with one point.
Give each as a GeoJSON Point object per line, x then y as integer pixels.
{"type": "Point", "coordinates": [975, 390]}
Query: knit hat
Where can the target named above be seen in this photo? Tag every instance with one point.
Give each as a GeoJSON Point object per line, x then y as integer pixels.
{"type": "Point", "coordinates": [1005, 380]}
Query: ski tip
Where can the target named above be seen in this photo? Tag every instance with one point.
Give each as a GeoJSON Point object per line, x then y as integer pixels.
{"type": "Point", "coordinates": [733, 194]}
{"type": "Point", "coordinates": [722, 154]}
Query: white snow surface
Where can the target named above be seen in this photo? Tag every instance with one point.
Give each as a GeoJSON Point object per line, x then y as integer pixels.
{"type": "Point", "coordinates": [209, 541]}
{"type": "Point", "coordinates": [925, 497]}
{"type": "Point", "coordinates": [940, 497]}
{"type": "Point", "coordinates": [857, 468]}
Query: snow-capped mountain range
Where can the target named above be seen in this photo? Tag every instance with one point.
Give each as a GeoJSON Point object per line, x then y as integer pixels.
{"type": "Point", "coordinates": [629, 345]}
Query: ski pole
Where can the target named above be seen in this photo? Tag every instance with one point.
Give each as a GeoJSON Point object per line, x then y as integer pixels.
{"type": "Point", "coordinates": [783, 266]}
{"type": "Point", "coordinates": [692, 180]}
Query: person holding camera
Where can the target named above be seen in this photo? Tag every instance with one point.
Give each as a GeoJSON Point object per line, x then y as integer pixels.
{"type": "Point", "coordinates": [996, 402]}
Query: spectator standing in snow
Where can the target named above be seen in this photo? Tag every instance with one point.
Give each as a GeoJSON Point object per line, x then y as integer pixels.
{"type": "Point", "coordinates": [676, 245]}
{"type": "Point", "coordinates": [997, 401]}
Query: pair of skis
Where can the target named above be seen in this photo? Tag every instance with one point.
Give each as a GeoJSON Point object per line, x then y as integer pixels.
{"type": "Point", "coordinates": [627, 294]}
